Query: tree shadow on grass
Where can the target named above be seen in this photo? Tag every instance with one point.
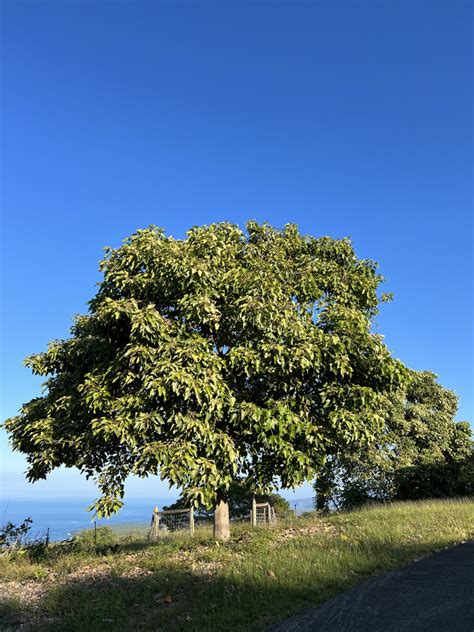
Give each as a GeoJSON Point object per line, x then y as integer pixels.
{"type": "Point", "coordinates": [185, 599]}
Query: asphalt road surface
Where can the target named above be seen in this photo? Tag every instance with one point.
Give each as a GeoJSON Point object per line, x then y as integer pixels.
{"type": "Point", "coordinates": [435, 594]}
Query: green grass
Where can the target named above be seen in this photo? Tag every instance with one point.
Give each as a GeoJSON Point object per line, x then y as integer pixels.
{"type": "Point", "coordinates": [261, 576]}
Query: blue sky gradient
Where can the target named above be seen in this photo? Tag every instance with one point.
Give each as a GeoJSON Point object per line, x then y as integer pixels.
{"type": "Point", "coordinates": [346, 118]}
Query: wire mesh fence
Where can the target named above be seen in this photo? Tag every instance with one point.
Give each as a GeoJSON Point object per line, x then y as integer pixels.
{"type": "Point", "coordinates": [171, 520]}
{"type": "Point", "coordinates": [285, 515]}
{"type": "Point", "coordinates": [162, 523]}
{"type": "Point", "coordinates": [265, 514]}
{"type": "Point", "coordinates": [182, 522]}
{"type": "Point", "coordinates": [132, 530]}
{"type": "Point", "coordinates": [187, 521]}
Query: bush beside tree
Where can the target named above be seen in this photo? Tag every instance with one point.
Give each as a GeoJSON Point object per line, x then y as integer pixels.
{"type": "Point", "coordinates": [421, 452]}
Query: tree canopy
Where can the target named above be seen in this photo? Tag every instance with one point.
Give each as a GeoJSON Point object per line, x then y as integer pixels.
{"type": "Point", "coordinates": [420, 452]}
{"type": "Point", "coordinates": [225, 356]}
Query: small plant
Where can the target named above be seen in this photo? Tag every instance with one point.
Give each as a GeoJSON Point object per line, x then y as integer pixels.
{"type": "Point", "coordinates": [13, 537]}
{"type": "Point", "coordinates": [36, 549]}
{"type": "Point", "coordinates": [97, 538]}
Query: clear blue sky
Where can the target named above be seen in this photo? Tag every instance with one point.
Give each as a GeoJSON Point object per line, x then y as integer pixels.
{"type": "Point", "coordinates": [348, 119]}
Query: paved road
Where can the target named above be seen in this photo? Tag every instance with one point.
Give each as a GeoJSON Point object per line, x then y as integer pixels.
{"type": "Point", "coordinates": [435, 594]}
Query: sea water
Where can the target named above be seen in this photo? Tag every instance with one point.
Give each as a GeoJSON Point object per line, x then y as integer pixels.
{"type": "Point", "coordinates": [66, 516]}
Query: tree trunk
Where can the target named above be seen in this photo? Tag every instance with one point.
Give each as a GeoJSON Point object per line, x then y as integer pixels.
{"type": "Point", "coordinates": [221, 519]}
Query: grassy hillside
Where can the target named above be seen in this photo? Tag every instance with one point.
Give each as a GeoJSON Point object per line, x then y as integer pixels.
{"type": "Point", "coordinates": [258, 578]}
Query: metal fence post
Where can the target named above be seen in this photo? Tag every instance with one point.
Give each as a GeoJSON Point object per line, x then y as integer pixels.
{"type": "Point", "coordinates": [191, 520]}
{"type": "Point", "coordinates": [155, 525]}
{"type": "Point", "coordinates": [254, 512]}
{"type": "Point", "coordinates": [95, 532]}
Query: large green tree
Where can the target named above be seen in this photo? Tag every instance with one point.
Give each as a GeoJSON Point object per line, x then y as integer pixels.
{"type": "Point", "coordinates": [420, 452]}
{"type": "Point", "coordinates": [225, 356]}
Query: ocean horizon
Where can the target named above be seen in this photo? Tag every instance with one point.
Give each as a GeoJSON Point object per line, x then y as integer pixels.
{"type": "Point", "coordinates": [66, 516]}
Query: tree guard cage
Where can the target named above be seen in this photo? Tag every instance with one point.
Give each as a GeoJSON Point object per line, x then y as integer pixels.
{"type": "Point", "coordinates": [171, 520]}
{"type": "Point", "coordinates": [262, 514]}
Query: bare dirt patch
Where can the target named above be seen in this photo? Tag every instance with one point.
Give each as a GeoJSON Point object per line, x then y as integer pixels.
{"type": "Point", "coordinates": [196, 562]}
{"type": "Point", "coordinates": [27, 593]}
{"type": "Point", "coordinates": [135, 571]}
{"type": "Point", "coordinates": [89, 573]}
{"type": "Point", "coordinates": [310, 530]}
